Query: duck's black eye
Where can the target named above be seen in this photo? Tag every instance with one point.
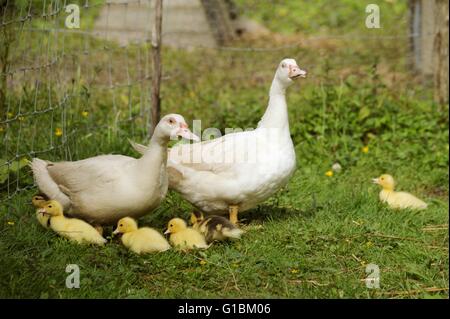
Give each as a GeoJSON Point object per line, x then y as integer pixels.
{"type": "Point", "coordinates": [121, 225]}
{"type": "Point", "coordinates": [49, 206]}
{"type": "Point", "coordinates": [171, 225]}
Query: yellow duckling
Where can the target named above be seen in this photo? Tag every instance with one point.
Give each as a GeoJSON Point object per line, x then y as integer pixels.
{"type": "Point", "coordinates": [140, 240]}
{"type": "Point", "coordinates": [398, 200]}
{"type": "Point", "coordinates": [71, 228]}
{"type": "Point", "coordinates": [39, 201]}
{"type": "Point", "coordinates": [215, 228]}
{"type": "Point", "coordinates": [185, 237]}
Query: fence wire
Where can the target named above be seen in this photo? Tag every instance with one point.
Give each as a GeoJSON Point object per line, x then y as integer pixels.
{"type": "Point", "coordinates": [62, 89]}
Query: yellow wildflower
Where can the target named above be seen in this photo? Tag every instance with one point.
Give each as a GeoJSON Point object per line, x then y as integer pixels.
{"type": "Point", "coordinates": [9, 115]}
{"type": "Point", "coordinates": [21, 118]}
{"type": "Point", "coordinates": [283, 12]}
{"type": "Point", "coordinates": [124, 99]}
{"type": "Point", "coordinates": [202, 262]}
{"type": "Point", "coordinates": [329, 173]}
{"type": "Point", "coordinates": [10, 223]}
{"type": "Point", "coordinates": [365, 149]}
{"type": "Point", "coordinates": [294, 271]}
{"type": "Point", "coordinates": [85, 114]}
{"type": "Point", "coordinates": [58, 132]}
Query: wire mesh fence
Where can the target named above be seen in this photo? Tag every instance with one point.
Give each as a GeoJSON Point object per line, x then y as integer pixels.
{"type": "Point", "coordinates": [67, 92]}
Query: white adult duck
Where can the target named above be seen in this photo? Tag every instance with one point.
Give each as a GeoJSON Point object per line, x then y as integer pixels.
{"type": "Point", "coordinates": [103, 189]}
{"type": "Point", "coordinates": [238, 171]}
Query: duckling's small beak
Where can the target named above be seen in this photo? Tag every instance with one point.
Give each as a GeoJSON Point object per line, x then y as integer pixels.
{"type": "Point", "coordinates": [42, 211]}
{"type": "Point", "coordinates": [116, 232]}
{"type": "Point", "coordinates": [167, 232]}
{"type": "Point", "coordinates": [375, 181]}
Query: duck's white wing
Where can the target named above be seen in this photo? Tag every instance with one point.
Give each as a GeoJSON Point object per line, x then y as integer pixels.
{"type": "Point", "coordinates": [141, 149]}
{"type": "Point", "coordinates": [88, 174]}
{"type": "Point", "coordinates": [217, 155]}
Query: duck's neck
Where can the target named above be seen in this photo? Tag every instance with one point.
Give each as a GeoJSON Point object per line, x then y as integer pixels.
{"type": "Point", "coordinates": [276, 115]}
{"type": "Point", "coordinates": [388, 189]}
{"type": "Point", "coordinates": [156, 154]}
{"type": "Point", "coordinates": [57, 219]}
{"type": "Point", "coordinates": [386, 193]}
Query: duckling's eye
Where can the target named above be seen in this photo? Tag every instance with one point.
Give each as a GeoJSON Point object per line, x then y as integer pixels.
{"type": "Point", "coordinates": [382, 178]}
{"type": "Point", "coordinates": [171, 225]}
{"type": "Point", "coordinates": [121, 225]}
{"type": "Point", "coordinates": [49, 206]}
{"type": "Point", "coordinates": [171, 121]}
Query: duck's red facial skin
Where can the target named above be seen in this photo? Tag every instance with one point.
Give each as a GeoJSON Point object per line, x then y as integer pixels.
{"type": "Point", "coordinates": [295, 72]}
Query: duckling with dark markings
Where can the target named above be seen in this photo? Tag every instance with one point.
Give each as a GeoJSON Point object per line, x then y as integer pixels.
{"type": "Point", "coordinates": [38, 202]}
{"type": "Point", "coordinates": [215, 228]}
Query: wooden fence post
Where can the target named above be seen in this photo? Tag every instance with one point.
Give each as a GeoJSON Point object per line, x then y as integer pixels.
{"type": "Point", "coordinates": [157, 67]}
{"type": "Point", "coordinates": [429, 28]}
{"type": "Point", "coordinates": [440, 52]}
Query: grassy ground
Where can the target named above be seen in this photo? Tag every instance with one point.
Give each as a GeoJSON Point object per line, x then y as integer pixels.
{"type": "Point", "coordinates": [313, 239]}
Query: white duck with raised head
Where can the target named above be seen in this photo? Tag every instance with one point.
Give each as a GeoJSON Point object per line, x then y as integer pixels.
{"type": "Point", "coordinates": [106, 188]}
{"type": "Point", "coordinates": [238, 171]}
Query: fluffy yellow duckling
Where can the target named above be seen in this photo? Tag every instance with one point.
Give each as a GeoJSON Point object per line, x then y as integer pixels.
{"type": "Point", "coordinates": [71, 228]}
{"type": "Point", "coordinates": [185, 237]}
{"type": "Point", "coordinates": [215, 228]}
{"type": "Point", "coordinates": [140, 240]}
{"type": "Point", "coordinates": [39, 201]}
{"type": "Point", "coordinates": [398, 200]}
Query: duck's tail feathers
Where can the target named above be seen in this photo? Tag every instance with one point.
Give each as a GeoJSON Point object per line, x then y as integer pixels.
{"type": "Point", "coordinates": [423, 205]}
{"type": "Point", "coordinates": [46, 184]}
{"type": "Point", "coordinates": [234, 233]}
{"type": "Point", "coordinates": [99, 241]}
{"type": "Point", "coordinates": [164, 248]}
{"type": "Point", "coordinates": [141, 149]}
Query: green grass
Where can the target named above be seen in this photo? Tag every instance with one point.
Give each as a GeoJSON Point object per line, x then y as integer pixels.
{"type": "Point", "coordinates": [313, 239]}
{"type": "Point", "coordinates": [323, 17]}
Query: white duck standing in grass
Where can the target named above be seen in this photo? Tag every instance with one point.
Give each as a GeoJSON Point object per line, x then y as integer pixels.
{"type": "Point", "coordinates": [103, 189]}
{"type": "Point", "coordinates": [238, 171]}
